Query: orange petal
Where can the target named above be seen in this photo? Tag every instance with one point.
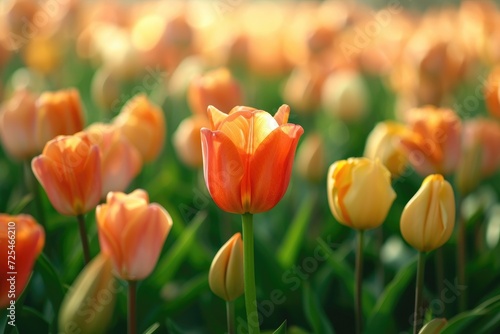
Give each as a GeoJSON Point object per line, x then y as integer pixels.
{"type": "Point", "coordinates": [282, 114]}
{"type": "Point", "coordinates": [215, 116]}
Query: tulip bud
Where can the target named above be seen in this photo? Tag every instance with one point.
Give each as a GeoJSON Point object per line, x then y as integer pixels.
{"type": "Point", "coordinates": [143, 124]}
{"type": "Point", "coordinates": [434, 326]}
{"type": "Point", "coordinates": [187, 140]}
{"type": "Point", "coordinates": [492, 92]}
{"type": "Point", "coordinates": [311, 161]}
{"type": "Point", "coordinates": [59, 113]}
{"type": "Point", "coordinates": [89, 303]}
{"type": "Point", "coordinates": [226, 272]}
{"type": "Point", "coordinates": [429, 217]}
{"type": "Point", "coordinates": [23, 238]}
{"type": "Point", "coordinates": [384, 143]}
{"type": "Point", "coordinates": [303, 89]}
{"type": "Point", "coordinates": [216, 88]}
{"type": "Point", "coordinates": [350, 186]}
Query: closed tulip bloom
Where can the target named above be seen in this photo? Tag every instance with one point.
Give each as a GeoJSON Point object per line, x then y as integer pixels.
{"type": "Point", "coordinates": [69, 169]}
{"type": "Point", "coordinates": [120, 160]}
{"type": "Point", "coordinates": [492, 92]}
{"type": "Point", "coordinates": [226, 272]}
{"type": "Point", "coordinates": [428, 219]}
{"type": "Point", "coordinates": [311, 160]}
{"type": "Point", "coordinates": [143, 124]}
{"type": "Point", "coordinates": [187, 139]}
{"type": "Point", "coordinates": [351, 186]}
{"type": "Point", "coordinates": [17, 125]}
{"type": "Point", "coordinates": [21, 241]}
{"type": "Point", "coordinates": [88, 305]}
{"type": "Point", "coordinates": [248, 157]}
{"type": "Point", "coordinates": [384, 143]}
{"type": "Point", "coordinates": [59, 113]}
{"type": "Point", "coordinates": [132, 232]}
{"type": "Point", "coordinates": [216, 88]}
{"type": "Point", "coordinates": [433, 142]}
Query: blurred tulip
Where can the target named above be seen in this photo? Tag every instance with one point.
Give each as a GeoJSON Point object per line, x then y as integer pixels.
{"type": "Point", "coordinates": [480, 153]}
{"type": "Point", "coordinates": [69, 169]}
{"type": "Point", "coordinates": [345, 95]}
{"type": "Point", "coordinates": [351, 184]}
{"type": "Point", "coordinates": [120, 160]}
{"type": "Point", "coordinates": [226, 272]}
{"type": "Point", "coordinates": [216, 88]}
{"type": "Point", "coordinates": [17, 125]}
{"type": "Point", "coordinates": [59, 113]}
{"type": "Point", "coordinates": [143, 123]}
{"type": "Point", "coordinates": [88, 305]}
{"type": "Point", "coordinates": [43, 54]}
{"type": "Point", "coordinates": [311, 160]}
{"type": "Point", "coordinates": [303, 89]}
{"type": "Point", "coordinates": [428, 219]}
{"type": "Point", "coordinates": [248, 157]}
{"type": "Point", "coordinates": [433, 142]}
{"type": "Point", "coordinates": [434, 326]}
{"type": "Point", "coordinates": [132, 232]}
{"type": "Point", "coordinates": [384, 143]}
{"type": "Point", "coordinates": [187, 140]}
{"type": "Point", "coordinates": [105, 88]}
{"type": "Point", "coordinates": [492, 92]}
{"type": "Point", "coordinates": [21, 238]}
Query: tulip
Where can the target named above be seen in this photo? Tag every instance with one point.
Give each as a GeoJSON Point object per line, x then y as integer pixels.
{"type": "Point", "coordinates": [69, 169]}
{"type": "Point", "coordinates": [217, 88]}
{"type": "Point", "coordinates": [89, 303]}
{"type": "Point", "coordinates": [351, 184]}
{"type": "Point", "coordinates": [433, 142]}
{"type": "Point", "coordinates": [434, 326]}
{"type": "Point", "coordinates": [143, 124]}
{"type": "Point", "coordinates": [429, 217]}
{"type": "Point", "coordinates": [187, 140]}
{"type": "Point", "coordinates": [59, 113]}
{"type": "Point", "coordinates": [132, 232]}
{"type": "Point", "coordinates": [311, 160]}
{"type": "Point", "coordinates": [226, 272]}
{"type": "Point", "coordinates": [21, 241]}
{"type": "Point", "coordinates": [384, 143]}
{"type": "Point", "coordinates": [120, 160]}
{"type": "Point", "coordinates": [17, 125]}
{"type": "Point", "coordinates": [492, 92]}
{"type": "Point", "coordinates": [247, 157]}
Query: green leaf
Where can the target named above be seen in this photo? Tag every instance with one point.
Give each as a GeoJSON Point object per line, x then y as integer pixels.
{"type": "Point", "coordinates": [31, 321]}
{"type": "Point", "coordinates": [152, 328]}
{"type": "Point", "coordinates": [190, 291]}
{"type": "Point", "coordinates": [171, 262]}
{"type": "Point", "coordinates": [53, 285]}
{"type": "Point", "coordinates": [19, 206]}
{"type": "Point", "coordinates": [297, 330]}
{"type": "Point", "coordinates": [281, 329]}
{"type": "Point", "coordinates": [290, 247]}
{"type": "Point", "coordinates": [382, 315]}
{"type": "Point", "coordinates": [314, 312]}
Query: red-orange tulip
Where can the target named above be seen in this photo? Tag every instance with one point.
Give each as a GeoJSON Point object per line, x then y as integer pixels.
{"type": "Point", "coordinates": [69, 170]}
{"type": "Point", "coordinates": [21, 241]}
{"type": "Point", "coordinates": [248, 157]}
{"type": "Point", "coordinates": [132, 233]}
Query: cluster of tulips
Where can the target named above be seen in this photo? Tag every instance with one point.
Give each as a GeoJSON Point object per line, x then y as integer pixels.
{"type": "Point", "coordinates": [314, 57]}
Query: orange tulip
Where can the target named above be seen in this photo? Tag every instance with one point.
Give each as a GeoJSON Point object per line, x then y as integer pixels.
{"type": "Point", "coordinates": [433, 142]}
{"type": "Point", "coordinates": [69, 170]}
{"type": "Point", "coordinates": [217, 88]}
{"type": "Point", "coordinates": [248, 157]}
{"type": "Point", "coordinates": [21, 241]}
{"type": "Point", "coordinates": [187, 140]}
{"type": "Point", "coordinates": [132, 232]}
{"type": "Point", "coordinates": [143, 124]}
{"type": "Point", "coordinates": [120, 160]}
{"type": "Point", "coordinates": [17, 125]}
{"type": "Point", "coordinates": [492, 92]}
{"type": "Point", "coordinates": [59, 113]}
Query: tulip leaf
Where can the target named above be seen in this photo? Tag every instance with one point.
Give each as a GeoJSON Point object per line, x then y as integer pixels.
{"type": "Point", "coordinates": [152, 328]}
{"type": "Point", "coordinates": [297, 330]}
{"type": "Point", "coordinates": [188, 292]}
{"type": "Point", "coordinates": [52, 282]}
{"type": "Point", "coordinates": [290, 247]}
{"type": "Point", "coordinates": [281, 329]}
{"type": "Point", "coordinates": [381, 317]}
{"type": "Point", "coordinates": [314, 312]}
{"type": "Point", "coordinates": [20, 205]}
{"type": "Point", "coordinates": [171, 262]}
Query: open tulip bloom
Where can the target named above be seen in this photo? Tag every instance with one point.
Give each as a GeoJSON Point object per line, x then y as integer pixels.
{"type": "Point", "coordinates": [247, 162]}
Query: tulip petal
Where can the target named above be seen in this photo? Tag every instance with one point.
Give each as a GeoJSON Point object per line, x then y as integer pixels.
{"type": "Point", "coordinates": [108, 224]}
{"type": "Point", "coordinates": [282, 114]}
{"type": "Point", "coordinates": [234, 273]}
{"type": "Point", "coordinates": [215, 116]}
{"type": "Point", "coordinates": [217, 273]}
{"type": "Point", "coordinates": [91, 187]}
{"type": "Point", "coordinates": [223, 170]}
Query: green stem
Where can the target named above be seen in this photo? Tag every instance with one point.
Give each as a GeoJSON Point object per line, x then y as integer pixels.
{"type": "Point", "coordinates": [249, 272]}
{"type": "Point", "coordinates": [439, 265]}
{"type": "Point", "coordinates": [83, 237]}
{"type": "Point", "coordinates": [34, 188]}
{"type": "Point", "coordinates": [359, 280]}
{"type": "Point", "coordinates": [132, 317]}
{"type": "Point", "coordinates": [418, 320]}
{"type": "Point", "coordinates": [461, 262]}
{"type": "Point", "coordinates": [230, 317]}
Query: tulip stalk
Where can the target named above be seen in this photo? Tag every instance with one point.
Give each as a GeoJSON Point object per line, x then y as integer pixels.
{"type": "Point", "coordinates": [132, 293]}
{"type": "Point", "coordinates": [418, 313]}
{"type": "Point", "coordinates": [230, 317]}
{"type": "Point", "coordinates": [461, 251]}
{"type": "Point", "coordinates": [84, 238]}
{"type": "Point", "coordinates": [359, 280]}
{"type": "Point", "coordinates": [249, 274]}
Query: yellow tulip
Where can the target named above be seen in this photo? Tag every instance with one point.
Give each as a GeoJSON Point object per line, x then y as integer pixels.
{"type": "Point", "coordinates": [429, 217]}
